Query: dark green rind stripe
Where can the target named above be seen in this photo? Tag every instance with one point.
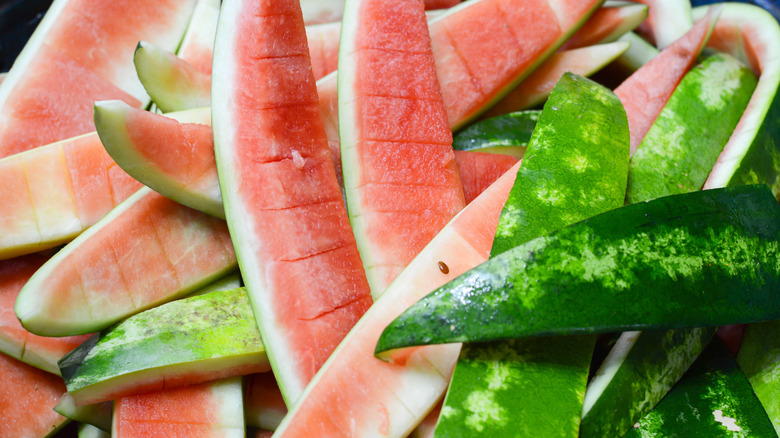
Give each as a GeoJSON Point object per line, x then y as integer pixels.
{"type": "Point", "coordinates": [654, 364]}
{"type": "Point", "coordinates": [201, 328]}
{"type": "Point", "coordinates": [759, 358]}
{"type": "Point", "coordinates": [507, 131]}
{"type": "Point", "coordinates": [713, 399]}
{"type": "Point", "coordinates": [698, 259]}
{"type": "Point", "coordinates": [528, 387]}
{"type": "Point", "coordinates": [578, 154]}
{"type": "Point", "coordinates": [535, 387]}
{"type": "Point", "coordinates": [683, 144]}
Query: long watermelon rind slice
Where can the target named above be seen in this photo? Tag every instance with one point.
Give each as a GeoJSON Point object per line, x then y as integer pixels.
{"type": "Point", "coordinates": [752, 154]}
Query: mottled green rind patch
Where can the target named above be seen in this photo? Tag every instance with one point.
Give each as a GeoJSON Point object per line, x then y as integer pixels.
{"type": "Point", "coordinates": [713, 399]}
{"type": "Point", "coordinates": [536, 387]}
{"type": "Point", "coordinates": [654, 364]}
{"type": "Point", "coordinates": [759, 359]}
{"type": "Point", "coordinates": [202, 328]}
{"type": "Point", "coordinates": [495, 404]}
{"type": "Point", "coordinates": [679, 150]}
{"type": "Point", "coordinates": [576, 154]}
{"type": "Point", "coordinates": [509, 132]}
{"type": "Point", "coordinates": [698, 259]}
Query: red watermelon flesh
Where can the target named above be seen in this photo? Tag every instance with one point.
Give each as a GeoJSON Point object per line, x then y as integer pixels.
{"type": "Point", "coordinates": [283, 204]}
{"type": "Point", "coordinates": [383, 398]}
{"type": "Point", "coordinates": [400, 179]}
{"type": "Point", "coordinates": [323, 47]}
{"type": "Point", "coordinates": [644, 94]}
{"type": "Point", "coordinates": [76, 56]}
{"type": "Point", "coordinates": [210, 409]}
{"type": "Point", "coordinates": [27, 397]}
{"type": "Point", "coordinates": [42, 209]}
{"type": "Point", "coordinates": [478, 170]}
{"type": "Point", "coordinates": [39, 351]}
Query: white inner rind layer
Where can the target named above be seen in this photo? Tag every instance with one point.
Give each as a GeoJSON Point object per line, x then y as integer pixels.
{"type": "Point", "coordinates": [763, 32]}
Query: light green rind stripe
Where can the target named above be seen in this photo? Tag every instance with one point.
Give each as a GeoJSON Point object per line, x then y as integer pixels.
{"type": "Point", "coordinates": [759, 358]}
{"type": "Point", "coordinates": [98, 415]}
{"type": "Point", "coordinates": [536, 387]}
{"type": "Point", "coordinates": [578, 166]}
{"type": "Point", "coordinates": [211, 327]}
{"type": "Point", "coordinates": [531, 387]}
{"type": "Point", "coordinates": [713, 399]}
{"type": "Point", "coordinates": [681, 147]}
{"type": "Point", "coordinates": [654, 363]}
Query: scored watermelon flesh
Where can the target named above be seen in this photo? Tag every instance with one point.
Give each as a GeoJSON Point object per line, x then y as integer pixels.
{"type": "Point", "coordinates": [401, 183]}
{"type": "Point", "coordinates": [140, 256]}
{"type": "Point", "coordinates": [292, 236]}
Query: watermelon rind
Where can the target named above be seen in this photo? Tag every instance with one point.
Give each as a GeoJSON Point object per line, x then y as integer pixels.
{"type": "Point", "coordinates": [759, 359]}
{"type": "Point", "coordinates": [726, 239]}
{"type": "Point", "coordinates": [506, 134]}
{"type": "Point", "coordinates": [90, 431]}
{"type": "Point", "coordinates": [670, 20]}
{"type": "Point", "coordinates": [172, 84]}
{"type": "Point", "coordinates": [98, 414]}
{"type": "Point", "coordinates": [198, 41]}
{"type": "Point", "coordinates": [639, 52]}
{"type": "Point", "coordinates": [111, 123]}
{"type": "Point", "coordinates": [204, 335]}
{"type": "Point", "coordinates": [636, 374]}
{"type": "Point", "coordinates": [712, 399]}
{"type": "Point", "coordinates": [752, 154]}
{"type": "Point", "coordinates": [543, 381]}
{"type": "Point", "coordinates": [682, 145]}
{"type": "Point", "coordinates": [36, 315]}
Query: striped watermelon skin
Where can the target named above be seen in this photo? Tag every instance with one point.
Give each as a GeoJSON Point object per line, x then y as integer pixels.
{"type": "Point", "coordinates": [282, 201]}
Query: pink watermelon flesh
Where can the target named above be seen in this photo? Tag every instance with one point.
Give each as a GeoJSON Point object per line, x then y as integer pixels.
{"type": "Point", "coordinates": [52, 98]}
{"type": "Point", "coordinates": [152, 252]}
{"type": "Point", "coordinates": [27, 397]}
{"type": "Point", "coordinates": [377, 397]}
{"type": "Point", "coordinates": [405, 186]}
{"type": "Point", "coordinates": [190, 411]}
{"type": "Point", "coordinates": [478, 170]}
{"type": "Point", "coordinates": [53, 102]}
{"type": "Point", "coordinates": [646, 91]}
{"type": "Point", "coordinates": [39, 351]}
{"type": "Point", "coordinates": [40, 210]}
{"type": "Point", "coordinates": [323, 47]}
{"type": "Point", "coordinates": [296, 250]}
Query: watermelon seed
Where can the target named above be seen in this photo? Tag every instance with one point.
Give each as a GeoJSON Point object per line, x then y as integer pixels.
{"type": "Point", "coordinates": [444, 268]}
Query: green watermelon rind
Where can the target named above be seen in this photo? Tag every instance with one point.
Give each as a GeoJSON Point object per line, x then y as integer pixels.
{"type": "Point", "coordinates": [752, 154]}
{"type": "Point", "coordinates": [635, 375]}
{"type": "Point", "coordinates": [98, 415]}
{"type": "Point", "coordinates": [205, 333]}
{"type": "Point", "coordinates": [685, 140]}
{"type": "Point", "coordinates": [759, 359]}
{"type": "Point", "coordinates": [111, 124]}
{"type": "Point", "coordinates": [714, 398]}
{"type": "Point", "coordinates": [507, 134]}
{"type": "Point", "coordinates": [726, 239]}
